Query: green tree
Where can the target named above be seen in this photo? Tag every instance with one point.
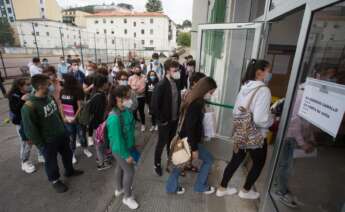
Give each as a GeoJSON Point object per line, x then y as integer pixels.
{"type": "Point", "coordinates": [6, 33]}
{"type": "Point", "coordinates": [184, 39]}
{"type": "Point", "coordinates": [154, 6]}
{"type": "Point", "coordinates": [187, 23]}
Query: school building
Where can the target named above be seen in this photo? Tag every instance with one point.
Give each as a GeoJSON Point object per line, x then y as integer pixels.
{"type": "Point", "coordinates": [305, 43]}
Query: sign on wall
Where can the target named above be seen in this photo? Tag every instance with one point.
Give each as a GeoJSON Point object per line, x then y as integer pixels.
{"type": "Point", "coordinates": [323, 105]}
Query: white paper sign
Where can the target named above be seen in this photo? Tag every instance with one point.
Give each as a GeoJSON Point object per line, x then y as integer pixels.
{"type": "Point", "coordinates": [323, 105]}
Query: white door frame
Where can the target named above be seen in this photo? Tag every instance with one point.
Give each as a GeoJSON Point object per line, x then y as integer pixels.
{"type": "Point", "coordinates": [226, 26]}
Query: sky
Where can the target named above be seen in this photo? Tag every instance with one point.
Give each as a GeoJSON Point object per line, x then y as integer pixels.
{"type": "Point", "coordinates": [177, 10]}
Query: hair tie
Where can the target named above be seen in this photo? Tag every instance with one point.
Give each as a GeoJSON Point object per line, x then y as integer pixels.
{"type": "Point", "coordinates": [253, 61]}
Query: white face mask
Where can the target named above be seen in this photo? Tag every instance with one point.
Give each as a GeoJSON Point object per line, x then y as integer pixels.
{"type": "Point", "coordinates": [128, 103]}
{"type": "Point", "coordinates": [123, 82]}
{"type": "Point", "coordinates": [176, 75]}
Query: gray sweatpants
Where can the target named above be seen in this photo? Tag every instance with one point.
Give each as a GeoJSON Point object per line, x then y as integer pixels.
{"type": "Point", "coordinates": [124, 174]}
{"type": "Point", "coordinates": [25, 148]}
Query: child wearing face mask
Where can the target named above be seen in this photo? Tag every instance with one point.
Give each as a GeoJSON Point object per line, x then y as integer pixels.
{"type": "Point", "coordinates": [152, 80]}
{"type": "Point", "coordinates": [55, 86]}
{"type": "Point", "coordinates": [122, 80]}
{"type": "Point", "coordinates": [121, 133]}
{"type": "Point", "coordinates": [137, 82]}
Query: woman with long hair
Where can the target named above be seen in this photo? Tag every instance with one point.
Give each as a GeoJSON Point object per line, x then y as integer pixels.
{"type": "Point", "coordinates": [151, 82]}
{"type": "Point", "coordinates": [193, 109]}
{"type": "Point", "coordinates": [17, 96]}
{"type": "Point", "coordinates": [71, 98]}
{"type": "Point", "coordinates": [121, 133]}
{"type": "Point", "coordinates": [254, 96]}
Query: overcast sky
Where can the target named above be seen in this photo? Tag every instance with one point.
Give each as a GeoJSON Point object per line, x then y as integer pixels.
{"type": "Point", "coordinates": [177, 10]}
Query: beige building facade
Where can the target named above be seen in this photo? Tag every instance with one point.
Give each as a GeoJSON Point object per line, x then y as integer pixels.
{"type": "Point", "coordinates": [39, 9]}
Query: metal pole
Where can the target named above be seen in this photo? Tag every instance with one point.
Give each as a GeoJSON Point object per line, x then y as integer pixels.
{"type": "Point", "coordinates": [94, 38]}
{"type": "Point", "coordinates": [114, 48]}
{"type": "Point", "coordinates": [106, 48]}
{"type": "Point", "coordinates": [34, 31]}
{"type": "Point", "coordinates": [3, 64]}
{"type": "Point", "coordinates": [123, 50]}
{"type": "Point", "coordinates": [62, 48]}
{"type": "Point", "coordinates": [81, 49]}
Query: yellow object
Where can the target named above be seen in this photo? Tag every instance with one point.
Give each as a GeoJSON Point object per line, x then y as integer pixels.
{"type": "Point", "coordinates": [274, 99]}
{"type": "Point", "coordinates": [269, 137]}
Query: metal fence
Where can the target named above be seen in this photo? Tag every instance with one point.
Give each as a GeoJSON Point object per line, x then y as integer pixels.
{"type": "Point", "coordinates": [53, 39]}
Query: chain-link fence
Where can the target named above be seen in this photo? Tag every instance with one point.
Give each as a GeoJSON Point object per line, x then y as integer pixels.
{"type": "Point", "coordinates": [51, 40]}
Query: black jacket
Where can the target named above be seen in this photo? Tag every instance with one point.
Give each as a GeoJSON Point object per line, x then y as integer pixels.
{"type": "Point", "coordinates": [184, 78]}
{"type": "Point", "coordinates": [98, 106]}
{"type": "Point", "coordinates": [150, 85]}
{"type": "Point", "coordinates": [16, 103]}
{"type": "Point", "coordinates": [192, 127]}
{"type": "Point", "coordinates": [161, 101]}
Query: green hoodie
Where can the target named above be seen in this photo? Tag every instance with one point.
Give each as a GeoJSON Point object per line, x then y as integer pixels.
{"type": "Point", "coordinates": [120, 144]}
{"type": "Point", "coordinates": [41, 120]}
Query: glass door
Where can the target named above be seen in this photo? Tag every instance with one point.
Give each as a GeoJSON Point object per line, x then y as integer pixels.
{"type": "Point", "coordinates": [224, 51]}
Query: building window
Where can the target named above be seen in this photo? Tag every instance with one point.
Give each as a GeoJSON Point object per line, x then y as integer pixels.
{"type": "Point", "coordinates": [9, 10]}
{"type": "Point", "coordinates": [135, 34]}
{"type": "Point", "coordinates": [36, 24]}
{"type": "Point", "coordinates": [134, 24]}
{"type": "Point", "coordinates": [105, 31]}
{"type": "Point", "coordinates": [96, 21]}
{"type": "Point", "coordinates": [125, 20]}
{"type": "Point", "coordinates": [43, 17]}
{"type": "Point", "coordinates": [7, 1]}
{"type": "Point", "coordinates": [111, 21]}
{"type": "Point", "coordinates": [151, 31]}
{"type": "Point", "coordinates": [112, 32]}
{"type": "Point", "coordinates": [37, 33]}
{"type": "Point", "coordinates": [125, 31]}
{"type": "Point", "coordinates": [11, 19]}
{"type": "Point", "coordinates": [47, 33]}
{"type": "Point", "coordinates": [113, 41]}
{"type": "Point", "coordinates": [104, 21]}
{"type": "Point", "coordinates": [142, 31]}
{"type": "Point", "coordinates": [97, 33]}
{"type": "Point", "coordinates": [151, 21]}
{"type": "Point", "coordinates": [143, 42]}
{"type": "Point", "coordinates": [151, 42]}
{"type": "Point", "coordinates": [42, 10]}
{"type": "Point", "coordinates": [41, 1]}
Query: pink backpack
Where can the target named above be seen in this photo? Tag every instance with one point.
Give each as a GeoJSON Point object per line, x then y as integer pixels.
{"type": "Point", "coordinates": [100, 133]}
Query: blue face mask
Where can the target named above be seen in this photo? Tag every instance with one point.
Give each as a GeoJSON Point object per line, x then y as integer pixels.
{"type": "Point", "coordinates": [268, 78]}
{"type": "Point", "coordinates": [153, 78]}
{"type": "Point", "coordinates": [51, 89]}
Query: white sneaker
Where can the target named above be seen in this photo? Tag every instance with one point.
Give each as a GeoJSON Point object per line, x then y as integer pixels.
{"type": "Point", "coordinates": [40, 159]}
{"type": "Point", "coordinates": [87, 153]}
{"type": "Point", "coordinates": [74, 159]}
{"type": "Point", "coordinates": [227, 191]}
{"type": "Point", "coordinates": [78, 144]}
{"type": "Point", "coordinates": [130, 202]}
{"type": "Point", "coordinates": [28, 167]}
{"type": "Point", "coordinates": [180, 191]}
{"type": "Point", "coordinates": [249, 195]}
{"type": "Point", "coordinates": [156, 128]}
{"type": "Point", "coordinates": [211, 190]}
{"type": "Point", "coordinates": [152, 128]}
{"type": "Point", "coordinates": [143, 128]}
{"type": "Point", "coordinates": [90, 141]}
{"type": "Point", "coordinates": [118, 192]}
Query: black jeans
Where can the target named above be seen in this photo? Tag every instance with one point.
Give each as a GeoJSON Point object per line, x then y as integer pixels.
{"type": "Point", "coordinates": [165, 134]}
{"type": "Point", "coordinates": [153, 120]}
{"type": "Point", "coordinates": [141, 110]}
{"type": "Point", "coordinates": [2, 88]}
{"type": "Point", "coordinates": [258, 157]}
{"type": "Point", "coordinates": [50, 150]}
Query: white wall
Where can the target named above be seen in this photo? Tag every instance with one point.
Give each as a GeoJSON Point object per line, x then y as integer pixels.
{"type": "Point", "coordinates": [199, 16]}
{"type": "Point", "coordinates": [160, 27]}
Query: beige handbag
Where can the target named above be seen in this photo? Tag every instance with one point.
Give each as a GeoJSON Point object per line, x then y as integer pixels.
{"type": "Point", "coordinates": [180, 151]}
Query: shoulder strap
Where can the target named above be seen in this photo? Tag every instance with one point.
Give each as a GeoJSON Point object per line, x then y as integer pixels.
{"type": "Point", "coordinates": [253, 95]}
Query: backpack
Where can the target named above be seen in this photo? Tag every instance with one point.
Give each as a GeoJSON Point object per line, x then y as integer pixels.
{"type": "Point", "coordinates": [180, 151]}
{"type": "Point", "coordinates": [101, 135]}
{"type": "Point", "coordinates": [159, 70]}
{"type": "Point", "coordinates": [84, 117]}
{"type": "Point", "coordinates": [245, 134]}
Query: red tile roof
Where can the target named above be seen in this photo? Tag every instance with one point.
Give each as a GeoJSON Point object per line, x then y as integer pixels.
{"type": "Point", "coordinates": [121, 14]}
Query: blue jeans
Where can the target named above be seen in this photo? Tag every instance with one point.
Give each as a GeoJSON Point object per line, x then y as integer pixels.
{"type": "Point", "coordinates": [201, 184]}
{"type": "Point", "coordinates": [75, 130]}
{"type": "Point", "coordinates": [285, 165]}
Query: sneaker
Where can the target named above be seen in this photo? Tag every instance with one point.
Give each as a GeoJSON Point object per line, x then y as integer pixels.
{"type": "Point", "coordinates": [158, 170]}
{"type": "Point", "coordinates": [75, 173]}
{"type": "Point", "coordinates": [249, 195]}
{"type": "Point", "coordinates": [74, 159]}
{"type": "Point", "coordinates": [28, 167]}
{"type": "Point", "coordinates": [210, 190]}
{"type": "Point", "coordinates": [118, 192]}
{"type": "Point", "coordinates": [60, 187]}
{"type": "Point", "coordinates": [40, 159]}
{"type": "Point", "coordinates": [104, 166]}
{"type": "Point", "coordinates": [287, 199]}
{"type": "Point", "coordinates": [152, 128]}
{"type": "Point", "coordinates": [130, 202]}
{"type": "Point", "coordinates": [87, 153]}
{"type": "Point", "coordinates": [156, 128]}
{"type": "Point", "coordinates": [143, 128]}
{"type": "Point", "coordinates": [180, 190]}
{"type": "Point", "coordinates": [90, 141]}
{"type": "Point", "coordinates": [227, 191]}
